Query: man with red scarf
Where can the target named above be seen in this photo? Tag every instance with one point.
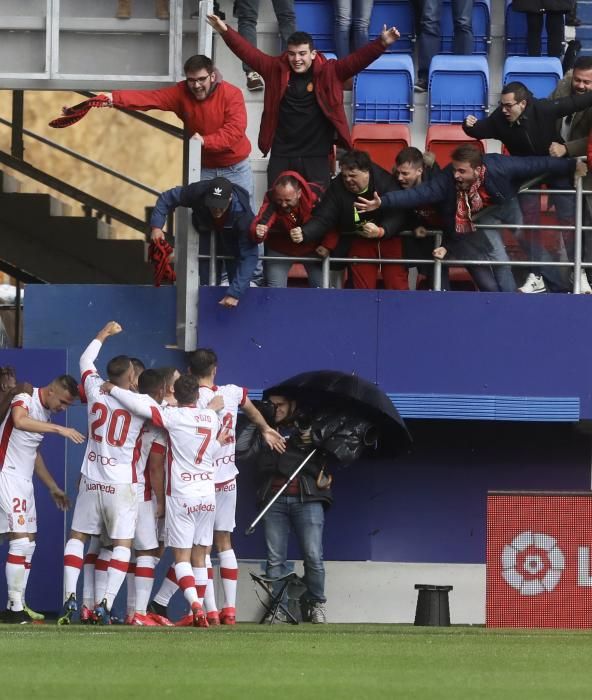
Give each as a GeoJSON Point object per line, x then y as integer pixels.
{"type": "Point", "coordinates": [287, 206]}
{"type": "Point", "coordinates": [471, 183]}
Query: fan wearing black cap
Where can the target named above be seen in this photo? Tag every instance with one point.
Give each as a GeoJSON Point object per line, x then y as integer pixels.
{"type": "Point", "coordinates": [220, 206]}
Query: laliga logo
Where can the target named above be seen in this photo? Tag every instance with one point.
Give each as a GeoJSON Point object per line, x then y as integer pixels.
{"type": "Point", "coordinates": [532, 563]}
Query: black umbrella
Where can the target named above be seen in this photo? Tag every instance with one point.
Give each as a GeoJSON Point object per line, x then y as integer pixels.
{"type": "Point", "coordinates": [332, 392]}
{"type": "Point", "coordinates": [348, 416]}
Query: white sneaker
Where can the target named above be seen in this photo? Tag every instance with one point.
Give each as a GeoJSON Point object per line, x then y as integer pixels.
{"type": "Point", "coordinates": [534, 284]}
{"type": "Point", "coordinates": [318, 613]}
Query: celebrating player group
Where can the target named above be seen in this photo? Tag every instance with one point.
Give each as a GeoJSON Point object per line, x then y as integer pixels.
{"type": "Point", "coordinates": [158, 471]}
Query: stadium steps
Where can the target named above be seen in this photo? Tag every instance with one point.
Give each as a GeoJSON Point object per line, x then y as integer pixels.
{"type": "Point", "coordinates": [40, 240]}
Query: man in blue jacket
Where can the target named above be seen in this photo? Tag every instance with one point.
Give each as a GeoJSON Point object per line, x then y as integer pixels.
{"type": "Point", "coordinates": [472, 183]}
{"type": "Point", "coordinates": [220, 206]}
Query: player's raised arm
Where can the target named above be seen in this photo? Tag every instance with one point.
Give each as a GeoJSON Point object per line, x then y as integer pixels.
{"type": "Point", "coordinates": [88, 357]}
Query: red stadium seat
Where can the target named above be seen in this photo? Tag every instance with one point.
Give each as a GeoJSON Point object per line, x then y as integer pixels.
{"type": "Point", "coordinates": [382, 141]}
{"type": "Point", "coordinates": [442, 139]}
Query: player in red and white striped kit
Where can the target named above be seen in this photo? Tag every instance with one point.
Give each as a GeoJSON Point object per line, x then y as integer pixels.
{"type": "Point", "coordinates": [194, 440]}
{"type": "Point", "coordinates": [107, 492]}
{"type": "Point", "coordinates": [21, 433]}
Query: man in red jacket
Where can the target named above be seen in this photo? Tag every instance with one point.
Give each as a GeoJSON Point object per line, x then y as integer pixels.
{"type": "Point", "coordinates": [286, 206]}
{"type": "Point", "coordinates": [212, 111]}
{"type": "Point", "coordinates": [303, 112]}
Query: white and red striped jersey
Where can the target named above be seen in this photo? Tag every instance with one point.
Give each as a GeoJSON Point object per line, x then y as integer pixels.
{"type": "Point", "coordinates": [151, 439]}
{"type": "Point", "coordinates": [112, 429]}
{"type": "Point", "coordinates": [234, 397]}
{"type": "Point", "coordinates": [18, 448]}
{"type": "Point", "coordinates": [192, 445]}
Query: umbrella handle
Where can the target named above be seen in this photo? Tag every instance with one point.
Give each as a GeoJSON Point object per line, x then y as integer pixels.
{"type": "Point", "coordinates": [253, 525]}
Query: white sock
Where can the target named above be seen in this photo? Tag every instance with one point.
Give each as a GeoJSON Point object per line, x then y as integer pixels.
{"type": "Point", "coordinates": [186, 581]}
{"type": "Point", "coordinates": [200, 573]}
{"type": "Point", "coordinates": [29, 556]}
{"type": "Point", "coordinates": [88, 572]}
{"type": "Point", "coordinates": [168, 588]}
{"type": "Point", "coordinates": [73, 558]}
{"type": "Point", "coordinates": [210, 596]}
{"type": "Point", "coordinates": [102, 573]}
{"type": "Point", "coordinates": [145, 566]}
{"type": "Point", "coordinates": [229, 576]}
{"type": "Point", "coordinates": [117, 571]}
{"type": "Point", "coordinates": [130, 582]}
{"type": "Point", "coordinates": [15, 572]}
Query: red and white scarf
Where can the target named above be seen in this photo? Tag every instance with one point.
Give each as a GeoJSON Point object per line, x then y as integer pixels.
{"type": "Point", "coordinates": [469, 202]}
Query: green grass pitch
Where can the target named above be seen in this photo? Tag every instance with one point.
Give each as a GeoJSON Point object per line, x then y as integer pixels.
{"type": "Point", "coordinates": [284, 662]}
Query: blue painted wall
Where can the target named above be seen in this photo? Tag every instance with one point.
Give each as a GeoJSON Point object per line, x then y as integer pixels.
{"type": "Point", "coordinates": [39, 367]}
{"type": "Point", "coordinates": [428, 506]}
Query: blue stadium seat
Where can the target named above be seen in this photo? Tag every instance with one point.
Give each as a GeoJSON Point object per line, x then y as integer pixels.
{"type": "Point", "coordinates": [539, 74]}
{"type": "Point", "coordinates": [317, 18]}
{"type": "Point", "coordinates": [383, 92]}
{"type": "Point", "coordinates": [516, 32]}
{"type": "Point", "coordinates": [481, 27]}
{"type": "Point", "coordinates": [397, 13]}
{"type": "Point", "coordinates": [457, 86]}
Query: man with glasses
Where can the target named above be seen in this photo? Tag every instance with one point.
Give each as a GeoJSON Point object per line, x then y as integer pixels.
{"type": "Point", "coordinates": [213, 112]}
{"type": "Point", "coordinates": [527, 126]}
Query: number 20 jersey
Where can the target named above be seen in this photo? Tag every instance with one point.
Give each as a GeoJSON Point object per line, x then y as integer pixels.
{"type": "Point", "coordinates": [112, 435]}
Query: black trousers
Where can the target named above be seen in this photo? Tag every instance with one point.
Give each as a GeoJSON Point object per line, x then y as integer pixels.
{"type": "Point", "coordinates": [312, 168]}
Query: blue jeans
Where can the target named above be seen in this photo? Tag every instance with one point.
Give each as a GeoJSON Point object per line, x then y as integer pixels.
{"type": "Point", "coordinates": [508, 213]}
{"type": "Point", "coordinates": [247, 13]}
{"type": "Point", "coordinates": [352, 19]}
{"type": "Point", "coordinates": [430, 34]}
{"type": "Point", "coordinates": [239, 174]}
{"type": "Point", "coordinates": [306, 520]}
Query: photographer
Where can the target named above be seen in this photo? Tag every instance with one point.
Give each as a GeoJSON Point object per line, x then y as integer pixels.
{"type": "Point", "coordinates": [301, 506]}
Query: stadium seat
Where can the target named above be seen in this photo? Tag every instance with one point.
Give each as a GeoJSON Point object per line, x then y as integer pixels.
{"type": "Point", "coordinates": [516, 32]}
{"type": "Point", "coordinates": [318, 19]}
{"type": "Point", "coordinates": [382, 141]}
{"type": "Point", "coordinates": [398, 13]}
{"type": "Point", "coordinates": [481, 27]}
{"type": "Point", "coordinates": [383, 92]}
{"type": "Point", "coordinates": [442, 139]}
{"type": "Point", "coordinates": [457, 86]}
{"type": "Point", "coordinates": [539, 74]}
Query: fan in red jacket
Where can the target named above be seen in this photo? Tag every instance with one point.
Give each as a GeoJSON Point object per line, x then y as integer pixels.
{"type": "Point", "coordinates": [286, 206]}
{"type": "Point", "coordinates": [212, 111]}
{"type": "Point", "coordinates": [303, 112]}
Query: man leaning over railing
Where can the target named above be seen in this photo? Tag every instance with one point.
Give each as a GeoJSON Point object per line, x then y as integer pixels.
{"type": "Point", "coordinates": [220, 206]}
{"type": "Point", "coordinates": [472, 183]}
{"type": "Point", "coordinates": [361, 234]}
{"type": "Point", "coordinates": [527, 126]}
{"type": "Point", "coordinates": [290, 204]}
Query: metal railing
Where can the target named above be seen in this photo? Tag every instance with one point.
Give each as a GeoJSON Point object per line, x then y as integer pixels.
{"type": "Point", "coordinates": [577, 264]}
